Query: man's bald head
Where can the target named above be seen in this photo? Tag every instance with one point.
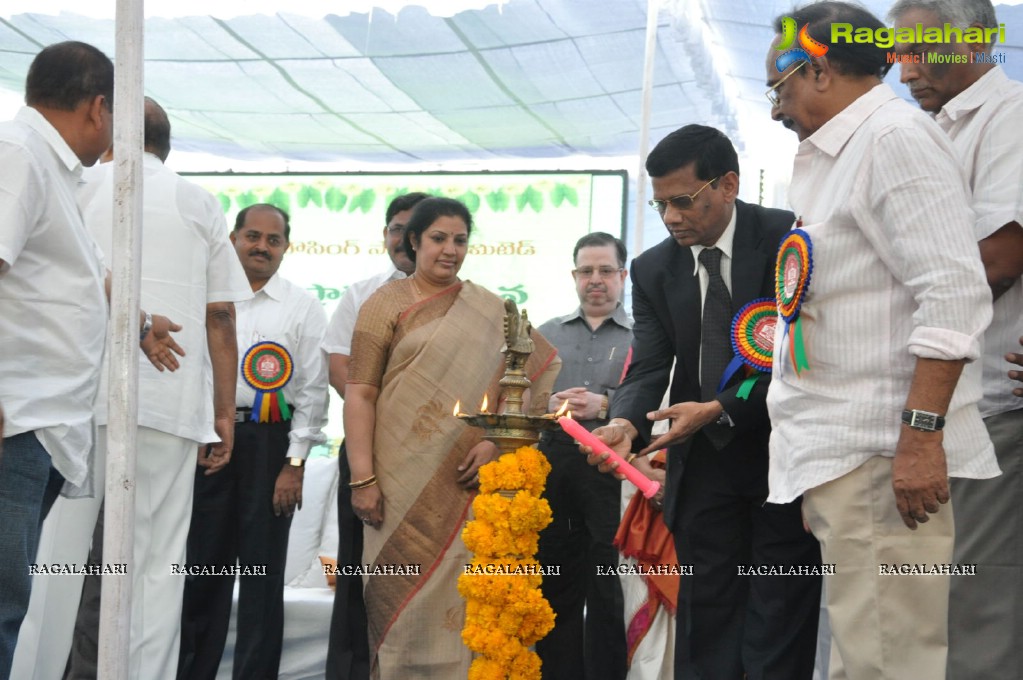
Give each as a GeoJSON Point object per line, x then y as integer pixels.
{"type": "Point", "coordinates": [157, 130]}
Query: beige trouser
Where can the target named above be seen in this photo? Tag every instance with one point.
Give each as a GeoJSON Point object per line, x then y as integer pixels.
{"type": "Point", "coordinates": [884, 627]}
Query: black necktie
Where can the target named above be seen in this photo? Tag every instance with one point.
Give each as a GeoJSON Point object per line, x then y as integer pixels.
{"type": "Point", "coordinates": [715, 343]}
{"type": "Point", "coordinates": [715, 346]}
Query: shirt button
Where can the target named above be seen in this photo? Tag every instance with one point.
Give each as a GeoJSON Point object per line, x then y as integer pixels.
{"type": "Point", "coordinates": [590, 359]}
{"type": "Point", "coordinates": [586, 382]}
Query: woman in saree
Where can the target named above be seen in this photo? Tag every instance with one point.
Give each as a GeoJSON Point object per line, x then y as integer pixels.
{"type": "Point", "coordinates": [420, 345]}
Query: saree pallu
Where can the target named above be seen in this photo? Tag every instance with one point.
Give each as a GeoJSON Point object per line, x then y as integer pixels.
{"type": "Point", "coordinates": [444, 349]}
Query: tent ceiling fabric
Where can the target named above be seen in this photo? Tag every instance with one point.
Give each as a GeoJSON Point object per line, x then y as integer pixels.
{"type": "Point", "coordinates": [527, 79]}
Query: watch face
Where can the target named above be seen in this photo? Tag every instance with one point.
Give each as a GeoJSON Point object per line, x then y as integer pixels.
{"type": "Point", "coordinates": [924, 421]}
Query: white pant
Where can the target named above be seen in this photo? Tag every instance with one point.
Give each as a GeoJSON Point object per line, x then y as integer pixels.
{"type": "Point", "coordinates": [164, 480]}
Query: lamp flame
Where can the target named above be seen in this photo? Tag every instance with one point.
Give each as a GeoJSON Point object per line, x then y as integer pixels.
{"type": "Point", "coordinates": [561, 411]}
{"type": "Point", "coordinates": [457, 408]}
{"type": "Point", "coordinates": [483, 406]}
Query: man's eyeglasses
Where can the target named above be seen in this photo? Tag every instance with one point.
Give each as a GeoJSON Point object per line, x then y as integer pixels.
{"type": "Point", "coordinates": [680, 202]}
{"type": "Point", "coordinates": [602, 272]}
{"type": "Point", "coordinates": [773, 92]}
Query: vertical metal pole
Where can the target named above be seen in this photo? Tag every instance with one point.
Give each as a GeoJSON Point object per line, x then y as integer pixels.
{"type": "Point", "coordinates": [652, 9]}
{"type": "Point", "coordinates": [118, 533]}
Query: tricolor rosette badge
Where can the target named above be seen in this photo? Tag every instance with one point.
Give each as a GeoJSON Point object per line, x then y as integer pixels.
{"type": "Point", "coordinates": [267, 368]}
{"type": "Point", "coordinates": [752, 342]}
{"type": "Point", "coordinates": [792, 280]}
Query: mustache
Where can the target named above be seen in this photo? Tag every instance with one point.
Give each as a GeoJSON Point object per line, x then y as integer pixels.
{"type": "Point", "coordinates": [253, 253]}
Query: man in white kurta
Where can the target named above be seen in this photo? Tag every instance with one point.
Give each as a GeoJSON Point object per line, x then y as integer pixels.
{"type": "Point", "coordinates": [52, 307]}
{"type": "Point", "coordinates": [981, 109]}
{"type": "Point", "coordinates": [188, 266]}
{"type": "Point", "coordinates": [895, 307]}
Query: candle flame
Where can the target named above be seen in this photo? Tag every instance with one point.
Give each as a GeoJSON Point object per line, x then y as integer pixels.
{"type": "Point", "coordinates": [483, 406]}
{"type": "Point", "coordinates": [561, 411]}
{"type": "Point", "coordinates": [568, 414]}
{"type": "Point", "coordinates": [457, 408]}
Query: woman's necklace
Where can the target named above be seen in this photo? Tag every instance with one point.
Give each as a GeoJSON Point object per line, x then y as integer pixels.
{"type": "Point", "coordinates": [416, 285]}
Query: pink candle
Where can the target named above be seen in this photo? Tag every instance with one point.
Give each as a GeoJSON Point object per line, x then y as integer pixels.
{"type": "Point", "coordinates": [579, 433]}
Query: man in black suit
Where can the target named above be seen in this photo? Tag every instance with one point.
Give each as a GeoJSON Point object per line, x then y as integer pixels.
{"type": "Point", "coordinates": [685, 292]}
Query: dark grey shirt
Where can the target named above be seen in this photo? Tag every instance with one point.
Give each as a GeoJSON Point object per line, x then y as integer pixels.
{"type": "Point", "coordinates": [594, 359]}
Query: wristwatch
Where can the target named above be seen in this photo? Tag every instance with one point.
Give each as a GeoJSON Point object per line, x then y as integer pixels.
{"type": "Point", "coordinates": [925, 421]}
{"type": "Point", "coordinates": [296, 462]}
{"type": "Point", "coordinates": [147, 325]}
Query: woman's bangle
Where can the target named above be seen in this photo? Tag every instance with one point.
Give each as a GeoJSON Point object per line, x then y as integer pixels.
{"type": "Point", "coordinates": [363, 483]}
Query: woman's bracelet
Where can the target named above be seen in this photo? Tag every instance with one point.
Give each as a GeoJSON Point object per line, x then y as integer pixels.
{"type": "Point", "coordinates": [363, 483]}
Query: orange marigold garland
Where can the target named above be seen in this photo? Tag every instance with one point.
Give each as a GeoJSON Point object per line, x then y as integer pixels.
{"type": "Point", "coordinates": [505, 610]}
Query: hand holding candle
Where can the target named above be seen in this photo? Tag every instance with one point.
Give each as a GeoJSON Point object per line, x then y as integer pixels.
{"type": "Point", "coordinates": [647, 486]}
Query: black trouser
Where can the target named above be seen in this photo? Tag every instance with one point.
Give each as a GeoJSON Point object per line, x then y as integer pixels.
{"type": "Point", "coordinates": [348, 648]}
{"type": "Point", "coordinates": [730, 625]}
{"type": "Point", "coordinates": [233, 520]}
{"type": "Point", "coordinates": [587, 511]}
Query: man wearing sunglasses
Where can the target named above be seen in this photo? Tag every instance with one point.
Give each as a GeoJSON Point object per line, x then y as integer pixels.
{"type": "Point", "coordinates": [719, 256]}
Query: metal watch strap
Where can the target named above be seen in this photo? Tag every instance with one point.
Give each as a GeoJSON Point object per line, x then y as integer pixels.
{"type": "Point", "coordinates": [147, 325]}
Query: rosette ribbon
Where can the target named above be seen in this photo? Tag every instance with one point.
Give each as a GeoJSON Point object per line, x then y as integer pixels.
{"type": "Point", "coordinates": [792, 280]}
{"type": "Point", "coordinates": [267, 368]}
{"type": "Point", "coordinates": [753, 344]}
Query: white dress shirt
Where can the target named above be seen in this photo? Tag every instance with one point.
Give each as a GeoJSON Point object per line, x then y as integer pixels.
{"type": "Point", "coordinates": [896, 277]}
{"type": "Point", "coordinates": [187, 262]}
{"type": "Point", "coordinates": [284, 313]}
{"type": "Point", "coordinates": [984, 122]}
{"type": "Point", "coordinates": [53, 309]}
{"type": "Point", "coordinates": [338, 339]}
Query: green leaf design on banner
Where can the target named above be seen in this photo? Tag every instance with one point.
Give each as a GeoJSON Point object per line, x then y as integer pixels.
{"type": "Point", "coordinates": [363, 201]}
{"type": "Point", "coordinates": [535, 200]}
{"type": "Point", "coordinates": [571, 195]}
{"type": "Point", "coordinates": [520, 200]}
{"type": "Point", "coordinates": [245, 199]}
{"type": "Point", "coordinates": [334, 199]}
{"type": "Point", "coordinates": [471, 200]}
{"type": "Point", "coordinates": [369, 199]}
{"type": "Point", "coordinates": [280, 199]}
{"type": "Point", "coordinates": [225, 202]}
{"type": "Point", "coordinates": [558, 195]}
{"type": "Point", "coordinates": [498, 200]}
{"type": "Point", "coordinates": [309, 194]}
{"type": "Point", "coordinates": [530, 197]}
